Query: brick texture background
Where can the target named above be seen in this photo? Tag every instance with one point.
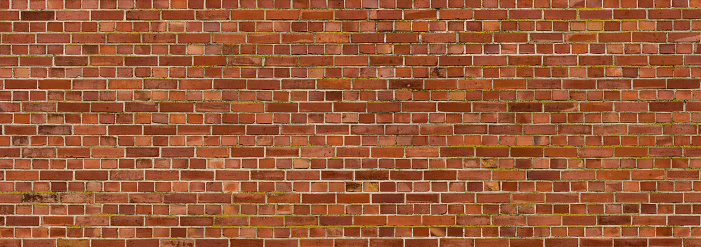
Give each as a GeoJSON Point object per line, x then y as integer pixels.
{"type": "Point", "coordinates": [350, 123]}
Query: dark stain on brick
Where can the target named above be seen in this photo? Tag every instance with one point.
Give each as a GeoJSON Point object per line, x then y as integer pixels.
{"type": "Point", "coordinates": [39, 198]}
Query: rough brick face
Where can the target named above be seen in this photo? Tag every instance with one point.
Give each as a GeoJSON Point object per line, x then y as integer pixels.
{"type": "Point", "coordinates": [350, 123]}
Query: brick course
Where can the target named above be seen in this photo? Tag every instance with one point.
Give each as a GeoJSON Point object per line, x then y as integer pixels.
{"type": "Point", "coordinates": [350, 123]}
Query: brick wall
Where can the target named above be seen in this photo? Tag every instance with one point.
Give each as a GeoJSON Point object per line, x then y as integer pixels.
{"type": "Point", "coordinates": [350, 123]}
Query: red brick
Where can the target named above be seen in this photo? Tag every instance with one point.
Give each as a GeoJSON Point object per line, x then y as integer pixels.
{"type": "Point", "coordinates": [349, 123]}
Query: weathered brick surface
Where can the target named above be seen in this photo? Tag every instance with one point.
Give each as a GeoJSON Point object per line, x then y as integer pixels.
{"type": "Point", "coordinates": [350, 123]}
